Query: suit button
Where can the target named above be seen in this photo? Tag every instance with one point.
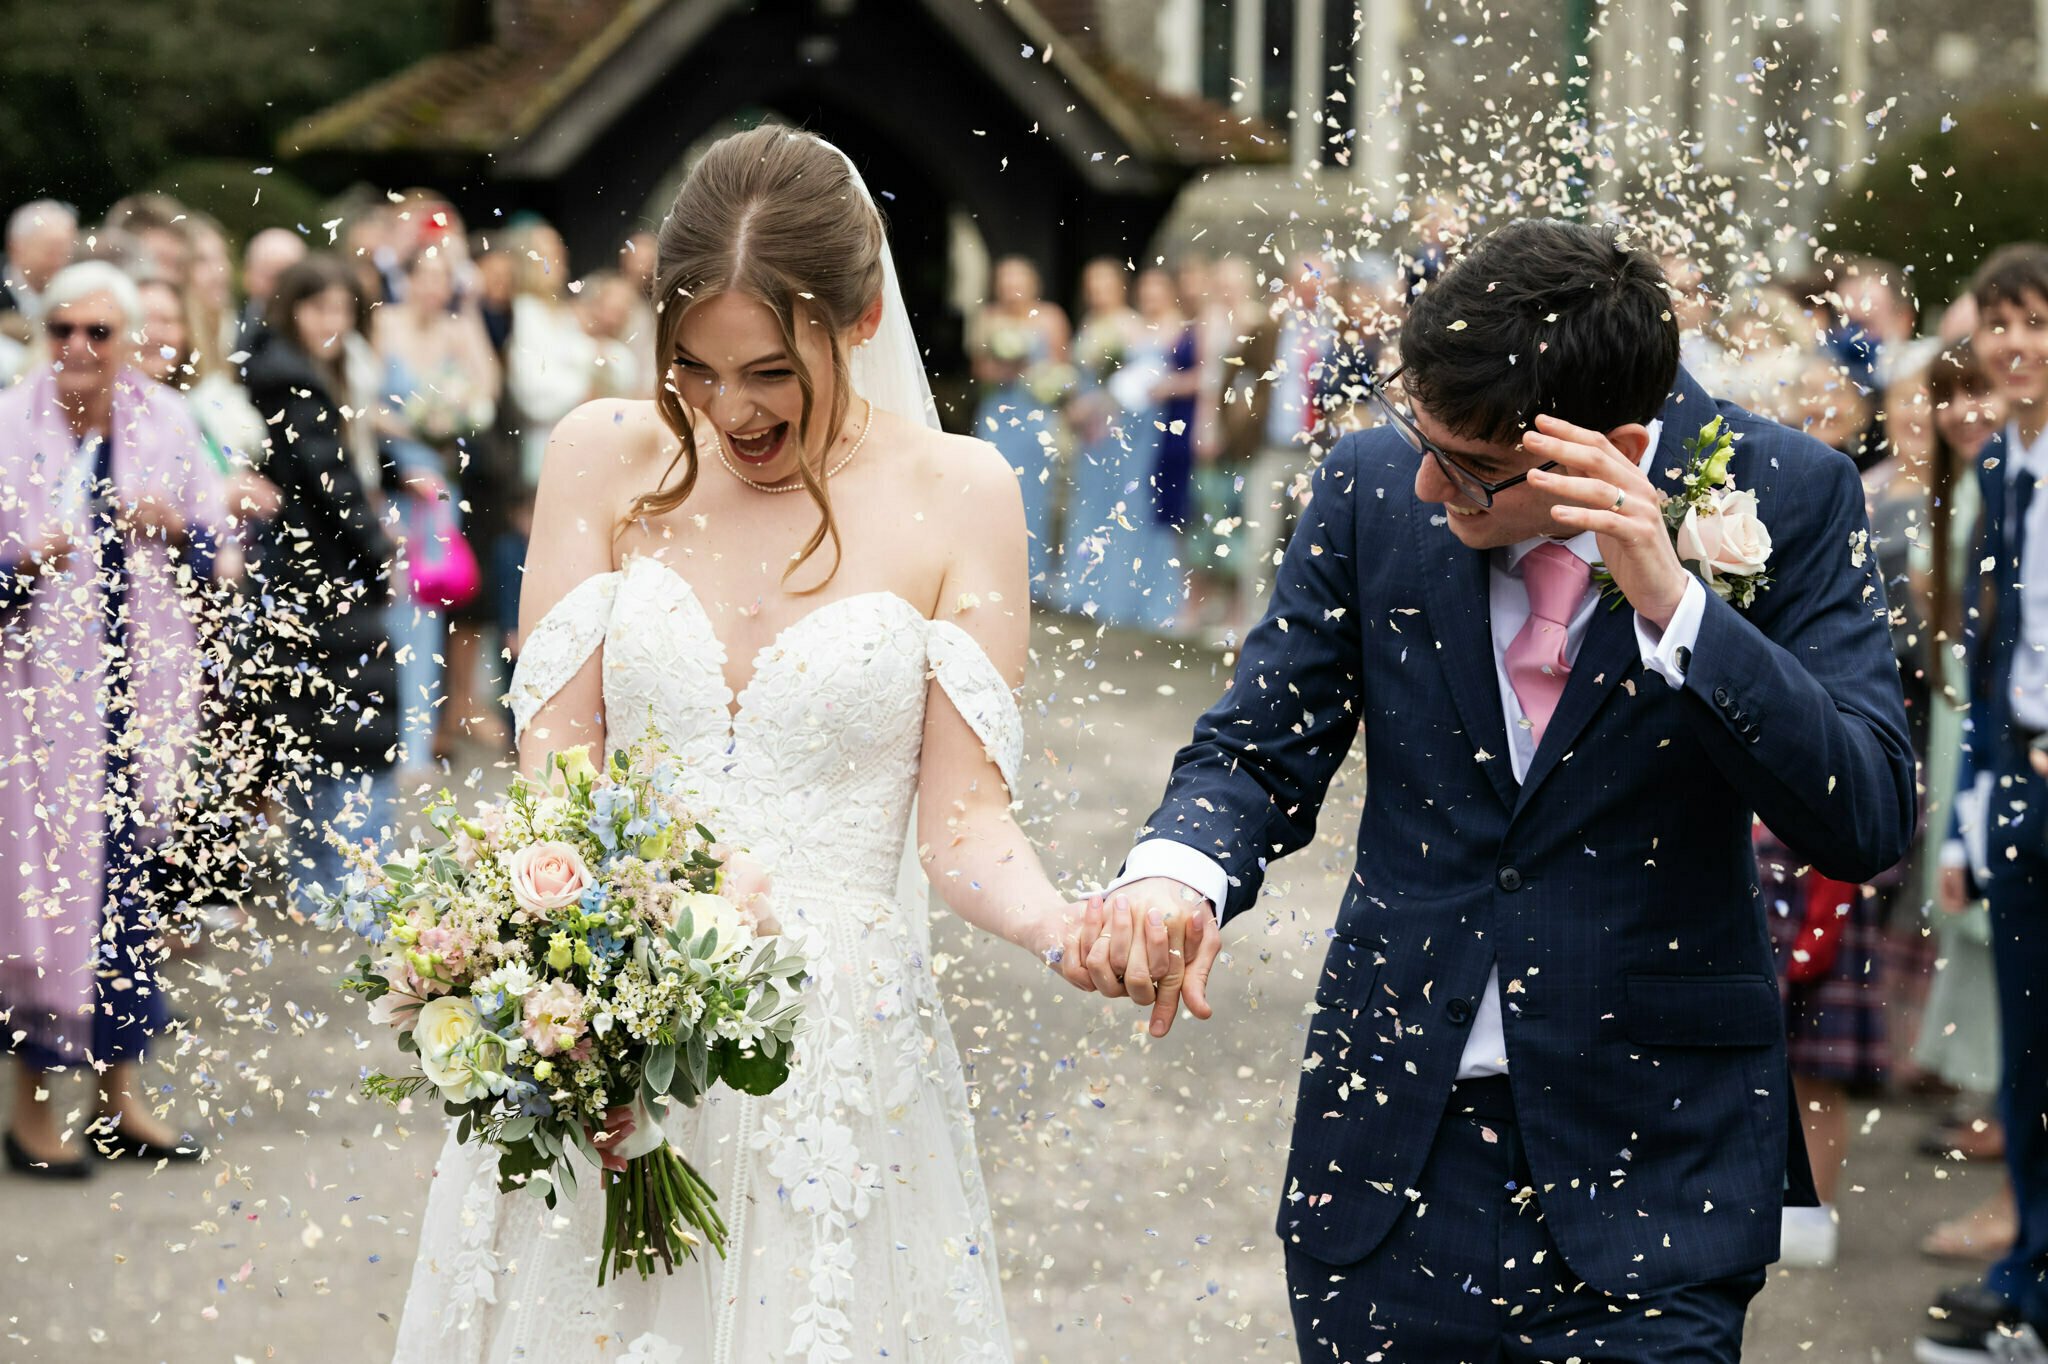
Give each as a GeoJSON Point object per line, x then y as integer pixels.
{"type": "Point", "coordinates": [1459, 1011]}
{"type": "Point", "coordinates": [1508, 879]}
{"type": "Point", "coordinates": [1721, 697]}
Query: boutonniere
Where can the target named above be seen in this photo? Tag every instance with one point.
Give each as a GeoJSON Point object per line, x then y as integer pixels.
{"type": "Point", "coordinates": [1714, 524]}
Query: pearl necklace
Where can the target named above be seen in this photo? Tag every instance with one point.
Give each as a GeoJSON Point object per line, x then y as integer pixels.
{"type": "Point", "coordinates": [860, 440]}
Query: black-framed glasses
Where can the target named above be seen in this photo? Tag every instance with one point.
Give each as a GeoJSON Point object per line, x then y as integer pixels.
{"type": "Point", "coordinates": [99, 333]}
{"type": "Point", "coordinates": [1467, 482]}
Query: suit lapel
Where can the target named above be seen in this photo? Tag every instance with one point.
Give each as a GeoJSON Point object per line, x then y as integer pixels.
{"type": "Point", "coordinates": [1457, 594]}
{"type": "Point", "coordinates": [1609, 649]}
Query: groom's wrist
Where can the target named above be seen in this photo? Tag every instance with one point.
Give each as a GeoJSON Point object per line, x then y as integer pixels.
{"type": "Point", "coordinates": [1165, 859]}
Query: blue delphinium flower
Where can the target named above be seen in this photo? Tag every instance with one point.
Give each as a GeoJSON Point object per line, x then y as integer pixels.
{"type": "Point", "coordinates": [607, 803]}
{"type": "Point", "coordinates": [532, 1098]}
{"type": "Point", "coordinates": [605, 944]}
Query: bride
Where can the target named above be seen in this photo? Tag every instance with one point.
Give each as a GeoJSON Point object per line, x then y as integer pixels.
{"type": "Point", "coordinates": [782, 570]}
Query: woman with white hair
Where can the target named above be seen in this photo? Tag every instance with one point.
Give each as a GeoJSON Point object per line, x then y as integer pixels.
{"type": "Point", "coordinates": [107, 531]}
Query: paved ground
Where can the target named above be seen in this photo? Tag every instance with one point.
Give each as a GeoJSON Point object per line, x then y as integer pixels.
{"type": "Point", "coordinates": [1134, 1181]}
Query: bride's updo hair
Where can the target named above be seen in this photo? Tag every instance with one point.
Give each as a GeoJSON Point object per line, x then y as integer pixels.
{"type": "Point", "coordinates": [774, 214]}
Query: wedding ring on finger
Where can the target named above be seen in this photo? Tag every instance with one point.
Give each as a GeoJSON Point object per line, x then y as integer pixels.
{"type": "Point", "coordinates": [1619, 498]}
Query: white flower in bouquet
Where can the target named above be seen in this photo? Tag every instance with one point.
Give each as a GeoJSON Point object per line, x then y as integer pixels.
{"type": "Point", "coordinates": [514, 979]}
{"type": "Point", "coordinates": [711, 911]}
{"type": "Point", "coordinates": [462, 1059]}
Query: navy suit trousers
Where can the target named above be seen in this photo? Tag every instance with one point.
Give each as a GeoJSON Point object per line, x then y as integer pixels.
{"type": "Point", "coordinates": [1470, 1274]}
{"type": "Point", "coordinates": [2018, 896]}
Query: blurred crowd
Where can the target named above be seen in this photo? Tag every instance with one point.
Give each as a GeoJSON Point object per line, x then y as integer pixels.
{"type": "Point", "coordinates": [260, 546]}
{"type": "Point", "coordinates": [361, 422]}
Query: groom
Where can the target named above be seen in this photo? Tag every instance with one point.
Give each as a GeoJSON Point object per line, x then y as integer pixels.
{"type": "Point", "coordinates": [1545, 1110]}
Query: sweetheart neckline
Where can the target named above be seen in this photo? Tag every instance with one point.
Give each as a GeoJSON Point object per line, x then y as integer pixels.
{"type": "Point", "coordinates": [736, 706]}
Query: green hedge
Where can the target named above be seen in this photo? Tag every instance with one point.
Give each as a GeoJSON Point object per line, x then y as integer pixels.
{"type": "Point", "coordinates": [1942, 224]}
{"type": "Point", "coordinates": [243, 201]}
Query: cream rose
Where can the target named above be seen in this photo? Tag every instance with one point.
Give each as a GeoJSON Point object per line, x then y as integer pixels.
{"type": "Point", "coordinates": [547, 876]}
{"type": "Point", "coordinates": [444, 1025]}
{"type": "Point", "coordinates": [709, 911]}
{"type": "Point", "coordinates": [1745, 541]}
{"type": "Point", "coordinates": [1728, 538]}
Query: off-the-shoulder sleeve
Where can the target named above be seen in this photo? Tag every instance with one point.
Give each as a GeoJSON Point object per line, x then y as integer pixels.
{"type": "Point", "coordinates": [556, 650]}
{"type": "Point", "coordinates": [979, 693]}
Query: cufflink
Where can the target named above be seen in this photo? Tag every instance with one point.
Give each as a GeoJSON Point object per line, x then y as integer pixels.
{"type": "Point", "coordinates": [1684, 656]}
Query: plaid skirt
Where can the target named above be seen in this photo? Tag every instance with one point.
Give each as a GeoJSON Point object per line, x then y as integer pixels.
{"type": "Point", "coordinates": [1835, 1024]}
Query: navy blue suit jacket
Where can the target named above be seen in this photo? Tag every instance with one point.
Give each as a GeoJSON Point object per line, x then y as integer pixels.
{"type": "Point", "coordinates": [1615, 886]}
{"type": "Point", "coordinates": [1992, 644]}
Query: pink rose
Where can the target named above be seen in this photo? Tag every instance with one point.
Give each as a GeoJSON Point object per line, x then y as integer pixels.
{"type": "Point", "coordinates": [554, 1017]}
{"type": "Point", "coordinates": [548, 876]}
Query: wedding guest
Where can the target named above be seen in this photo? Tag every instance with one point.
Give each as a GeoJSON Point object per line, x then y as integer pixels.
{"type": "Point", "coordinates": [1824, 933]}
{"type": "Point", "coordinates": [210, 289]}
{"type": "Point", "coordinates": [170, 352]}
{"type": "Point", "coordinates": [1958, 1033]}
{"type": "Point", "coordinates": [106, 533]}
{"type": "Point", "coordinates": [2008, 654]}
{"type": "Point", "coordinates": [497, 274]}
{"type": "Point", "coordinates": [622, 325]}
{"type": "Point", "coordinates": [1768, 343]}
{"type": "Point", "coordinates": [440, 393]}
{"type": "Point", "coordinates": [551, 365]}
{"type": "Point", "coordinates": [1293, 344]}
{"type": "Point", "coordinates": [159, 225]}
{"type": "Point", "coordinates": [1157, 508]}
{"type": "Point", "coordinates": [215, 876]}
{"type": "Point", "coordinates": [637, 261]}
{"type": "Point", "coordinates": [41, 238]}
{"type": "Point", "coordinates": [1018, 345]}
{"type": "Point", "coordinates": [1100, 463]}
{"type": "Point", "coordinates": [1224, 445]}
{"type": "Point", "coordinates": [268, 255]}
{"type": "Point", "coordinates": [330, 680]}
{"type": "Point", "coordinates": [1877, 320]}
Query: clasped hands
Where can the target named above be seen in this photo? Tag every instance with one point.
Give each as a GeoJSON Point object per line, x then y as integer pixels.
{"type": "Point", "coordinates": [1153, 941]}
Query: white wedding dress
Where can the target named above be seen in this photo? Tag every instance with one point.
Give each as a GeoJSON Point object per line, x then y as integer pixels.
{"type": "Point", "coordinates": [860, 1225]}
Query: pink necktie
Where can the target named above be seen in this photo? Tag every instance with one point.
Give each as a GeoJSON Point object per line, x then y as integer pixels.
{"type": "Point", "coordinates": [1537, 667]}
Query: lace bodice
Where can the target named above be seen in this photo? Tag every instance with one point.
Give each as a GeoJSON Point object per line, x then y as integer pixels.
{"type": "Point", "coordinates": [815, 771]}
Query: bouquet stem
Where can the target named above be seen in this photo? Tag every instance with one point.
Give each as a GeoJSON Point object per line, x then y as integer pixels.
{"type": "Point", "coordinates": [660, 1209]}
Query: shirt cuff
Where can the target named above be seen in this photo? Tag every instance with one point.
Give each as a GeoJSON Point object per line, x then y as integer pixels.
{"type": "Point", "coordinates": [1954, 854]}
{"type": "Point", "coordinates": [1668, 653]}
{"type": "Point", "coordinates": [1199, 872]}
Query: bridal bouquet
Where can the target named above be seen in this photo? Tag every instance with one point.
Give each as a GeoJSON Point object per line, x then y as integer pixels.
{"type": "Point", "coordinates": [563, 965]}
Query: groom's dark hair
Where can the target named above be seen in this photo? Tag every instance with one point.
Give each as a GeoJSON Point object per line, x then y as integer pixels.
{"type": "Point", "coordinates": [1542, 316]}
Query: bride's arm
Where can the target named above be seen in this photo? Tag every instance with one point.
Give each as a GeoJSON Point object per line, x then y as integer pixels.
{"type": "Point", "coordinates": [973, 852]}
{"type": "Point", "coordinates": [575, 512]}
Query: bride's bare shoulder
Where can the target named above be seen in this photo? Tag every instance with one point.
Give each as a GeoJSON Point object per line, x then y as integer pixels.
{"type": "Point", "coordinates": [604, 448]}
{"type": "Point", "coordinates": [943, 461]}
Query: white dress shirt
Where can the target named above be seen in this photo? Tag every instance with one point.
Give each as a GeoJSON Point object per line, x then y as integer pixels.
{"type": "Point", "coordinates": [1508, 602]}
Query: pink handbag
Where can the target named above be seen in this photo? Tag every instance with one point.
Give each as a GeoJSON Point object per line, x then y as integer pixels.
{"type": "Point", "coordinates": [444, 569]}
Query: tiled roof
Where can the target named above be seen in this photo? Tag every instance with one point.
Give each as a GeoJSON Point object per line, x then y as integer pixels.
{"type": "Point", "coordinates": [476, 98]}
{"type": "Point", "coordinates": [479, 99]}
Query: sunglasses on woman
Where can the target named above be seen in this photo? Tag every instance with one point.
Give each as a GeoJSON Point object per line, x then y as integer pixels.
{"type": "Point", "coordinates": [99, 333]}
{"type": "Point", "coordinates": [1472, 485]}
